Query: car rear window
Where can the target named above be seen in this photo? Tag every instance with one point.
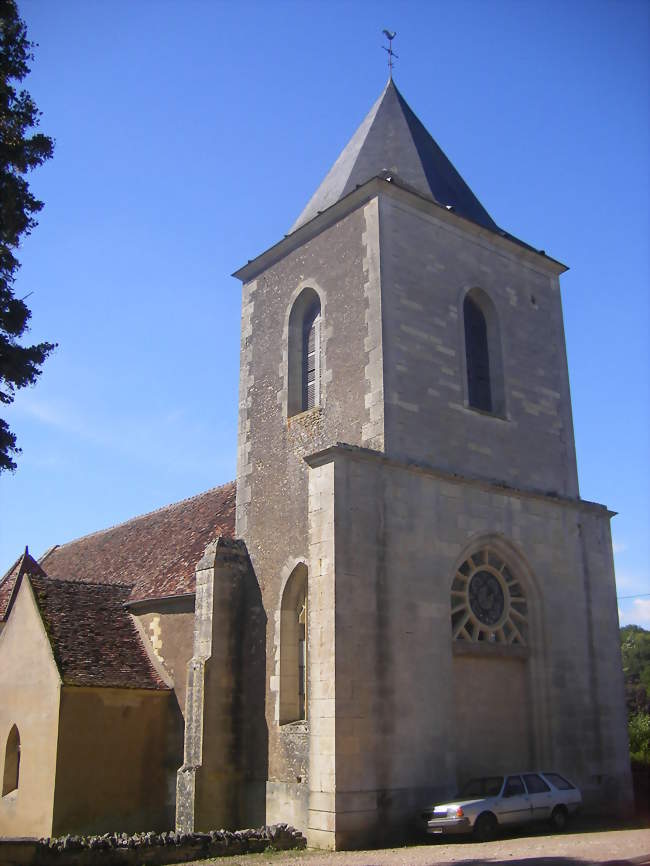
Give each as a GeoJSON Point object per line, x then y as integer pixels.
{"type": "Point", "coordinates": [559, 782]}
{"type": "Point", "coordinates": [535, 783]}
{"type": "Point", "coordinates": [488, 786]}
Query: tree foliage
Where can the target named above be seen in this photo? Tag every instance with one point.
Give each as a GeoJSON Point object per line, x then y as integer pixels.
{"type": "Point", "coordinates": [635, 651]}
{"type": "Point", "coordinates": [639, 731]}
{"type": "Point", "coordinates": [21, 150]}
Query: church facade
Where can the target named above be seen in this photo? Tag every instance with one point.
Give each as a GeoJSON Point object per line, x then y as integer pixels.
{"type": "Point", "coordinates": [406, 588]}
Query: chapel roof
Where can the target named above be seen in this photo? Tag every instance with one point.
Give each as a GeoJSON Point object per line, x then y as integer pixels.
{"type": "Point", "coordinates": [93, 638]}
{"type": "Point", "coordinates": [392, 139]}
{"type": "Point", "coordinates": [154, 555]}
{"type": "Point", "coordinates": [25, 564]}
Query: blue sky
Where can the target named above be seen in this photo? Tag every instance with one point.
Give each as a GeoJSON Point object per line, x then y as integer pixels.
{"type": "Point", "coordinates": [189, 136]}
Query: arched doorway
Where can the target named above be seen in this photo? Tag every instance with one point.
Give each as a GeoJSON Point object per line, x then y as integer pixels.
{"type": "Point", "coordinates": [490, 629]}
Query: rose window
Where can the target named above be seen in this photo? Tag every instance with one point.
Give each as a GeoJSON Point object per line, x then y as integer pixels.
{"type": "Point", "coordinates": [487, 601]}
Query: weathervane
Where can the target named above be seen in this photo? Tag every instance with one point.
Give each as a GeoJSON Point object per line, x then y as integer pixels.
{"type": "Point", "coordinates": [390, 36]}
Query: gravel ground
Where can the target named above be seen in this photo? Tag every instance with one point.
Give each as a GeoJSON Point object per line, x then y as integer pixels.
{"type": "Point", "coordinates": [614, 847]}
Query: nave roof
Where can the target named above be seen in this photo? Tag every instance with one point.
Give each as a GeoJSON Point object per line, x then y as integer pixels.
{"type": "Point", "coordinates": [154, 555]}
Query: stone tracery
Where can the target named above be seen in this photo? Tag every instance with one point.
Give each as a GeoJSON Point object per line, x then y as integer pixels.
{"type": "Point", "coordinates": [487, 601]}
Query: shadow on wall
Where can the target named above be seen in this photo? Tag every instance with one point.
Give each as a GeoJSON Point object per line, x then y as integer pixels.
{"type": "Point", "coordinates": [250, 715]}
{"type": "Point", "coordinates": [118, 751]}
{"type": "Point", "coordinates": [641, 785]}
{"type": "Point", "coordinates": [175, 737]}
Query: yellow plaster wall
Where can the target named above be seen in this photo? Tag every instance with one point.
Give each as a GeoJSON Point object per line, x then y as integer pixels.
{"type": "Point", "coordinates": [116, 767]}
{"type": "Point", "coordinates": [29, 698]}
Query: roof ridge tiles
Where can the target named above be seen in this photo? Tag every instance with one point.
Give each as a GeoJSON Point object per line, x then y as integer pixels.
{"type": "Point", "coordinates": [95, 584]}
{"type": "Point", "coordinates": [11, 569]}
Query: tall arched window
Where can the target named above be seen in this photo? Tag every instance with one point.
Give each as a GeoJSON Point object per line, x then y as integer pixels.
{"type": "Point", "coordinates": [479, 391]}
{"type": "Point", "coordinates": [304, 353]}
{"type": "Point", "coordinates": [293, 647]}
{"type": "Point", "coordinates": [11, 772]}
{"type": "Point", "coordinates": [482, 353]}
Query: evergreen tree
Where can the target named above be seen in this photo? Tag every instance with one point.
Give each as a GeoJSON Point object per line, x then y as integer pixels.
{"type": "Point", "coordinates": [21, 149]}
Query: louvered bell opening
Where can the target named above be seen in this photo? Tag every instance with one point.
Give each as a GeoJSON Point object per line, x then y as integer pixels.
{"type": "Point", "coordinates": [310, 359]}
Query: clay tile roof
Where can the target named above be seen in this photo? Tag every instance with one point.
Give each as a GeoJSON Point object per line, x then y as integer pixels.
{"type": "Point", "coordinates": [153, 555]}
{"type": "Point", "coordinates": [25, 564]}
{"type": "Point", "coordinates": [6, 588]}
{"type": "Point", "coordinates": [93, 638]}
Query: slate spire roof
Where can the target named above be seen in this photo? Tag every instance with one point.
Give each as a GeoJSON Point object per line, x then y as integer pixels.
{"type": "Point", "coordinates": [392, 139]}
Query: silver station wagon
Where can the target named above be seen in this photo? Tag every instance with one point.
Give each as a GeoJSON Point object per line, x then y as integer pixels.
{"type": "Point", "coordinates": [488, 803]}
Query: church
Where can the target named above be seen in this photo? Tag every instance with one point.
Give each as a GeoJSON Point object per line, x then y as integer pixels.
{"type": "Point", "coordinates": [403, 587]}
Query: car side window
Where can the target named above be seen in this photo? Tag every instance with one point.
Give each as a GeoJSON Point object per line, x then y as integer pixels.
{"type": "Point", "coordinates": [493, 786]}
{"type": "Point", "coordinates": [535, 783]}
{"type": "Point", "coordinates": [559, 782]}
{"type": "Point", "coordinates": [514, 787]}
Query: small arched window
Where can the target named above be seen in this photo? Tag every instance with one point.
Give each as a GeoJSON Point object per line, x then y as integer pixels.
{"type": "Point", "coordinates": [293, 647]}
{"type": "Point", "coordinates": [11, 772]}
{"type": "Point", "coordinates": [482, 353]}
{"type": "Point", "coordinates": [304, 353]}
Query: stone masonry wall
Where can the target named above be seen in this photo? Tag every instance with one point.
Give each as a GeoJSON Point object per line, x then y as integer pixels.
{"type": "Point", "coordinates": [342, 265]}
{"type": "Point", "coordinates": [321, 657]}
{"type": "Point", "coordinates": [381, 540]}
{"type": "Point", "coordinates": [224, 725]}
{"type": "Point", "coordinates": [427, 266]}
{"type": "Point", "coordinates": [399, 535]}
{"type": "Point", "coordinates": [121, 849]}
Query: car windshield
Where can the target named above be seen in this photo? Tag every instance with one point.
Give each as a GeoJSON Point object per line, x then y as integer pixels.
{"type": "Point", "coordinates": [489, 786]}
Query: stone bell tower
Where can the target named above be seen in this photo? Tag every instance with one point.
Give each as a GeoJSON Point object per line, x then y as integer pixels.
{"type": "Point", "coordinates": [439, 600]}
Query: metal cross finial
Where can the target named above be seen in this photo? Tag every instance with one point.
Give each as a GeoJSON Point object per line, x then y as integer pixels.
{"type": "Point", "coordinates": [390, 35]}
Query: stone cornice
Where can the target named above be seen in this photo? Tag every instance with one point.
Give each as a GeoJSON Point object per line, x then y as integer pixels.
{"type": "Point", "coordinates": [354, 452]}
{"type": "Point", "coordinates": [389, 186]}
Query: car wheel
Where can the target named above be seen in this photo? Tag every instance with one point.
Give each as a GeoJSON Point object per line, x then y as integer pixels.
{"type": "Point", "coordinates": [485, 827]}
{"type": "Point", "coordinates": [559, 818]}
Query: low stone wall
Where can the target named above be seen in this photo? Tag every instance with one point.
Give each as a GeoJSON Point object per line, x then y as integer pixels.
{"type": "Point", "coordinates": [120, 849]}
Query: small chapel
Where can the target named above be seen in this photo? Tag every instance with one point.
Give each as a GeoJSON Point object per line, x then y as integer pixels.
{"type": "Point", "coordinates": [401, 590]}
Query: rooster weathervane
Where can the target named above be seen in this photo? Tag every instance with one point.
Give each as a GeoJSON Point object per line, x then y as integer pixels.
{"type": "Point", "coordinates": [390, 35]}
